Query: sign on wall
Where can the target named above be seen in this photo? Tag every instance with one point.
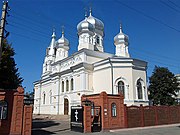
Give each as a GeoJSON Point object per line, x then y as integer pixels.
{"type": "Point", "coordinates": [77, 118]}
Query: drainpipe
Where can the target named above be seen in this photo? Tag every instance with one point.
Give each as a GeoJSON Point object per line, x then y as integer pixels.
{"type": "Point", "coordinates": [111, 74]}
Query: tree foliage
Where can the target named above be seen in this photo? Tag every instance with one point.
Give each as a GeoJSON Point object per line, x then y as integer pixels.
{"type": "Point", "coordinates": [163, 87]}
{"type": "Point", "coordinates": [9, 76]}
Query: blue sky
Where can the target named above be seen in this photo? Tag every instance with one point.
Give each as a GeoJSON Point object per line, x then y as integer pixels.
{"type": "Point", "coordinates": [153, 27]}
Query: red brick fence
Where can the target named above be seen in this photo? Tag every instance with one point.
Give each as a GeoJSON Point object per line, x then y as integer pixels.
{"type": "Point", "coordinates": [16, 118]}
{"type": "Point", "coordinates": [140, 116]}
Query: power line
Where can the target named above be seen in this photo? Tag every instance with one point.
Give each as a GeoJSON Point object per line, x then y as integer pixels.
{"type": "Point", "coordinates": [151, 60]}
{"type": "Point", "coordinates": [174, 4]}
{"type": "Point", "coordinates": [132, 48]}
{"type": "Point", "coordinates": [27, 37]}
{"type": "Point", "coordinates": [47, 19]}
{"type": "Point", "coordinates": [169, 6]}
{"type": "Point", "coordinates": [35, 32]}
{"type": "Point", "coordinates": [106, 38]}
{"type": "Point", "coordinates": [148, 16]}
{"type": "Point", "coordinates": [30, 21]}
{"type": "Point", "coordinates": [148, 52]}
{"type": "Point", "coordinates": [161, 56]}
{"type": "Point", "coordinates": [27, 26]}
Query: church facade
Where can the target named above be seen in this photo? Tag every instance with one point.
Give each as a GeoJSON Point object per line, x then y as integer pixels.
{"type": "Point", "coordinates": [90, 70]}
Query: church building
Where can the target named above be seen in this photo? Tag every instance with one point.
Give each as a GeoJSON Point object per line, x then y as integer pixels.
{"type": "Point", "coordinates": [90, 70]}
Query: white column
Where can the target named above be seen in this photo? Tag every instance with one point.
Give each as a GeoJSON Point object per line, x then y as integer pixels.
{"type": "Point", "coordinates": [83, 81]}
{"type": "Point", "coordinates": [39, 98]}
{"type": "Point", "coordinates": [126, 92]}
{"type": "Point", "coordinates": [64, 86]}
{"type": "Point", "coordinates": [87, 81]}
{"type": "Point", "coordinates": [58, 95]}
{"type": "Point", "coordinates": [144, 93]}
{"type": "Point", "coordinates": [69, 84]}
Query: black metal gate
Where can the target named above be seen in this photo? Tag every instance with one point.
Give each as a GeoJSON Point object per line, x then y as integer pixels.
{"type": "Point", "coordinates": [96, 119]}
{"type": "Point", "coordinates": [77, 118]}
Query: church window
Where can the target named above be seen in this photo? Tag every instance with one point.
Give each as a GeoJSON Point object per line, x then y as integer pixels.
{"type": "Point", "coordinates": [113, 108]}
{"type": "Point", "coordinates": [97, 40]}
{"type": "Point", "coordinates": [44, 98]}
{"type": "Point", "coordinates": [46, 67]}
{"type": "Point", "coordinates": [3, 109]}
{"type": "Point", "coordinates": [121, 87]}
{"type": "Point", "coordinates": [47, 51]}
{"type": "Point", "coordinates": [55, 50]}
{"type": "Point", "coordinates": [67, 85]}
{"type": "Point", "coordinates": [62, 86]}
{"type": "Point", "coordinates": [50, 97]}
{"type": "Point", "coordinates": [139, 89]}
{"type": "Point", "coordinates": [72, 84]}
{"type": "Point", "coordinates": [85, 39]}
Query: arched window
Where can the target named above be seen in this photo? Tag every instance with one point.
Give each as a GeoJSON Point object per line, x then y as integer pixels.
{"type": "Point", "coordinates": [139, 89]}
{"type": "Point", "coordinates": [67, 85]}
{"type": "Point", "coordinates": [62, 86]}
{"type": "Point", "coordinates": [97, 40]}
{"type": "Point", "coordinates": [46, 67]}
{"type": "Point", "coordinates": [50, 97]}
{"type": "Point", "coordinates": [113, 108]}
{"type": "Point", "coordinates": [55, 50]}
{"type": "Point", "coordinates": [121, 87]}
{"type": "Point", "coordinates": [44, 98]}
{"type": "Point", "coordinates": [3, 109]}
{"type": "Point", "coordinates": [47, 51]}
{"type": "Point", "coordinates": [72, 84]}
{"type": "Point", "coordinates": [85, 39]}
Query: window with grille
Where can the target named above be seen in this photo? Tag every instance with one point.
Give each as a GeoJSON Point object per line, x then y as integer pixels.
{"type": "Point", "coordinates": [121, 87]}
{"type": "Point", "coordinates": [62, 86]}
{"type": "Point", "coordinates": [139, 89]}
{"type": "Point", "coordinates": [113, 108]}
{"type": "Point", "coordinates": [72, 84]}
{"type": "Point", "coordinates": [3, 109]}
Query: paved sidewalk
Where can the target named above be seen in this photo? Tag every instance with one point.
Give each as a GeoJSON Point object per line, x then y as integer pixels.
{"type": "Point", "coordinates": [173, 129]}
{"type": "Point", "coordinates": [60, 125]}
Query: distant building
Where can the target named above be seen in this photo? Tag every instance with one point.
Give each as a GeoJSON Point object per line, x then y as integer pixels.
{"type": "Point", "coordinates": [90, 70]}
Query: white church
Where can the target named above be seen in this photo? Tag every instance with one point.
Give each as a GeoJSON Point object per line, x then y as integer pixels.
{"type": "Point", "coordinates": [90, 70]}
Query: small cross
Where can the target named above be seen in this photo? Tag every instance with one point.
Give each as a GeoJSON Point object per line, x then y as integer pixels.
{"type": "Point", "coordinates": [76, 113]}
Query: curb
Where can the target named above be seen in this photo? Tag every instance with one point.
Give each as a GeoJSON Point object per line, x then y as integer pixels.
{"type": "Point", "coordinates": [140, 128]}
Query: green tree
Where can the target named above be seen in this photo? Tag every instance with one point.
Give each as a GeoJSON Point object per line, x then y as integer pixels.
{"type": "Point", "coordinates": [163, 87]}
{"type": "Point", "coordinates": [9, 76]}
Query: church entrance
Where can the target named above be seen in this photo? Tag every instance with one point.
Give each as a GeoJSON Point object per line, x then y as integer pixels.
{"type": "Point", "coordinates": [66, 106]}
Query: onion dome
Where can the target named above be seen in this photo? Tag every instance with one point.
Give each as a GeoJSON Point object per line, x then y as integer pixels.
{"type": "Point", "coordinates": [98, 24]}
{"type": "Point", "coordinates": [121, 37]}
{"type": "Point", "coordinates": [85, 26]}
{"type": "Point", "coordinates": [62, 41]}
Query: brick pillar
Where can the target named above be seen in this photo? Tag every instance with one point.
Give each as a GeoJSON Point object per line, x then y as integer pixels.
{"type": "Point", "coordinates": [27, 120]}
{"type": "Point", "coordinates": [87, 119]}
{"type": "Point", "coordinates": [121, 109]}
{"type": "Point", "coordinates": [17, 113]}
{"type": "Point", "coordinates": [103, 101]}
